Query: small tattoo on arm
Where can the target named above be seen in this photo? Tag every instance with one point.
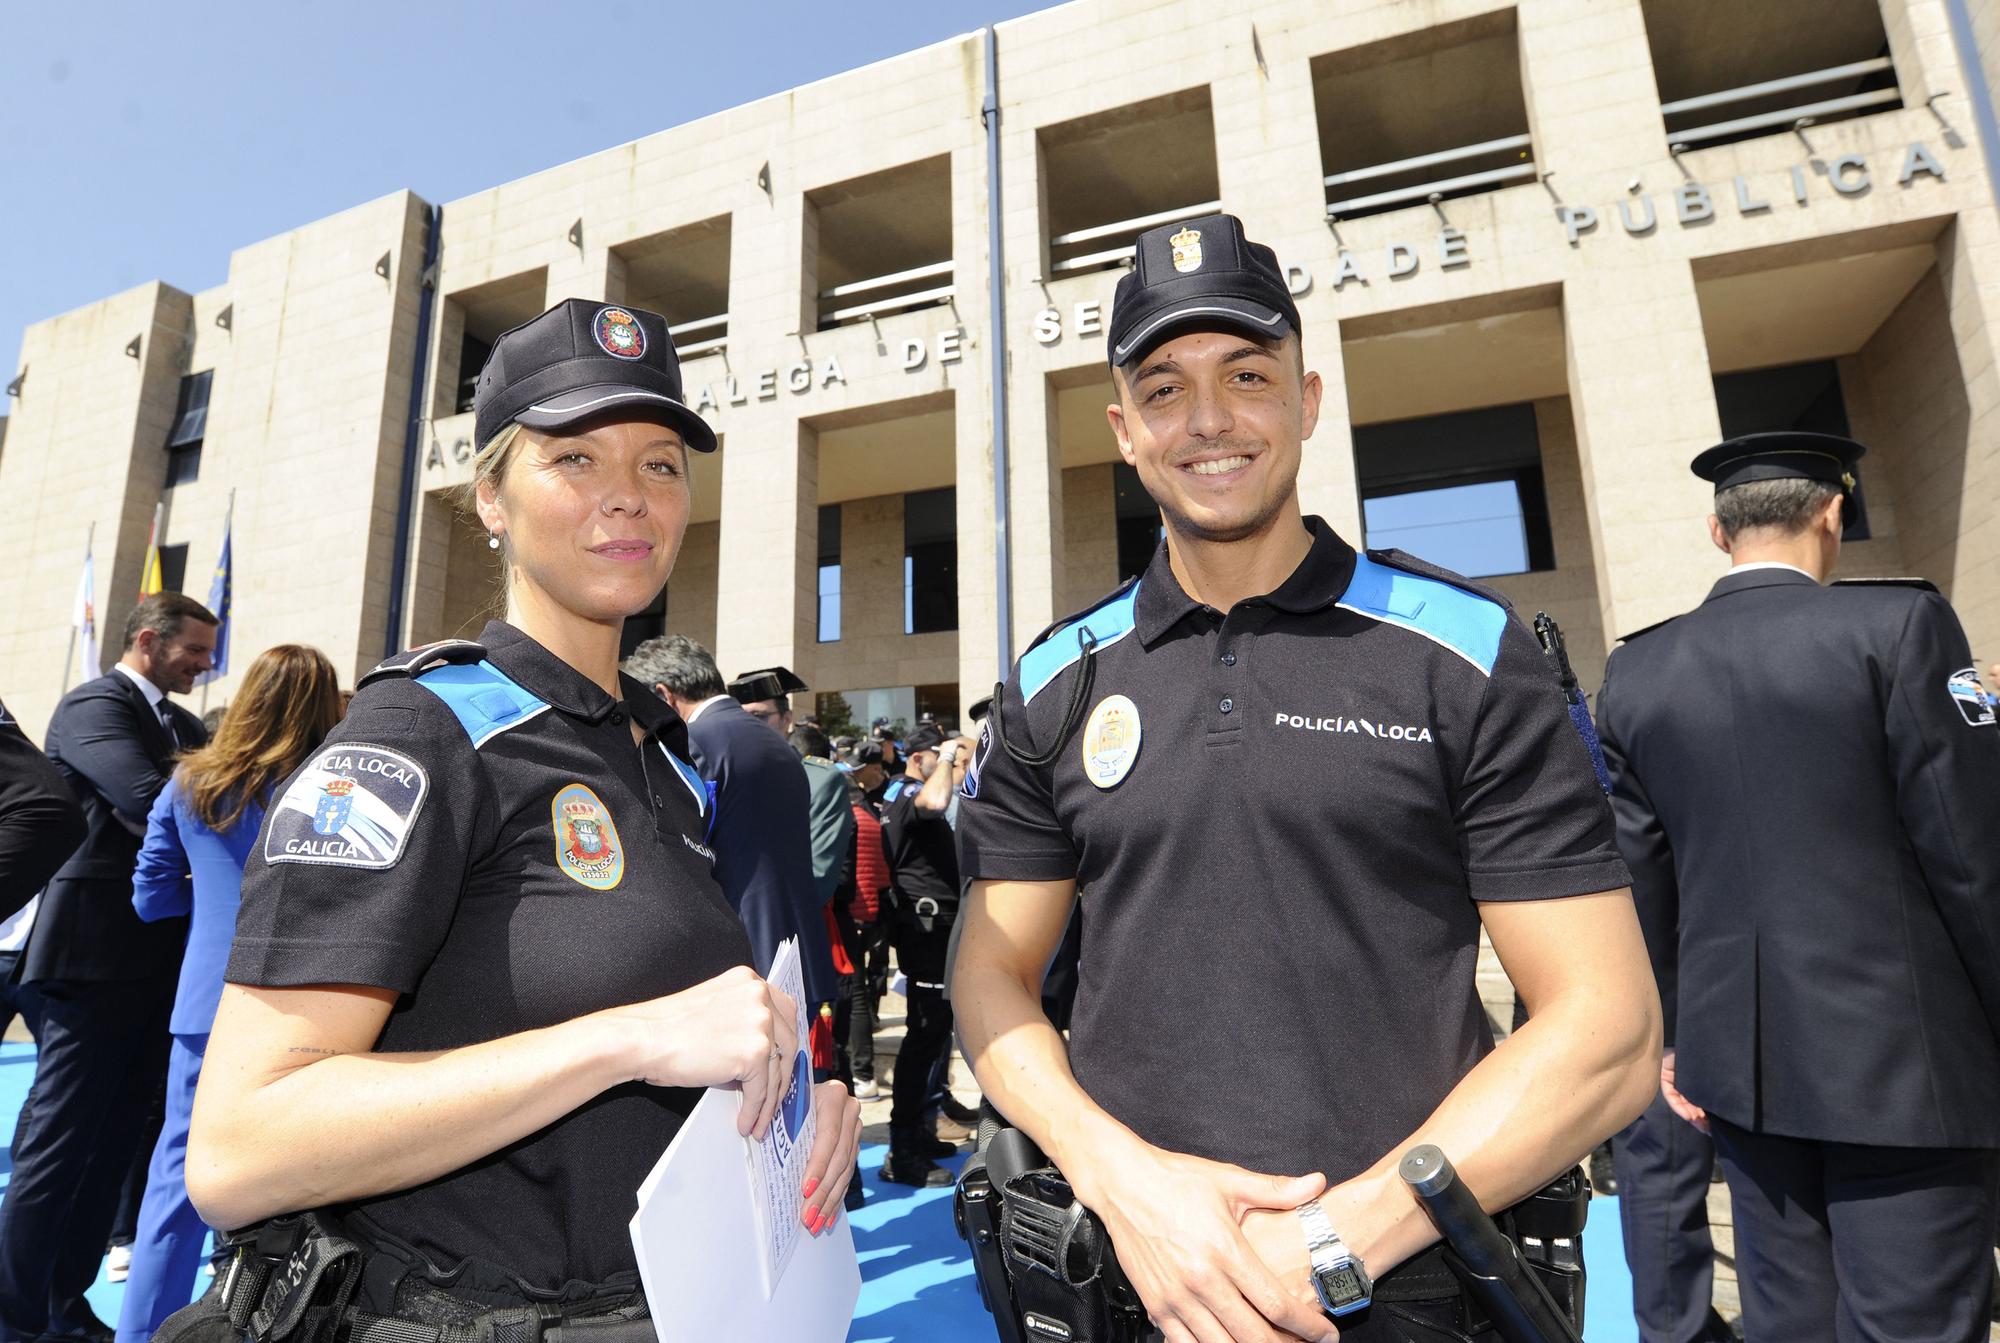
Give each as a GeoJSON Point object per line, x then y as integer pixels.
{"type": "Point", "coordinates": [308, 1049]}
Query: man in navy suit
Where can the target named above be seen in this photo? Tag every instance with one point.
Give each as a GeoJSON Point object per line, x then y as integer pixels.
{"type": "Point", "coordinates": [103, 978]}
{"type": "Point", "coordinates": [762, 834]}
{"type": "Point", "coordinates": [1803, 776]}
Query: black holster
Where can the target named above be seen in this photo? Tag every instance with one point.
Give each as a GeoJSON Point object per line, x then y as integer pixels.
{"type": "Point", "coordinates": [309, 1278]}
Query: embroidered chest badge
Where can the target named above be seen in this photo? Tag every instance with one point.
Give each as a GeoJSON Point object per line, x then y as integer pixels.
{"type": "Point", "coordinates": [587, 845]}
{"type": "Point", "coordinates": [1111, 741]}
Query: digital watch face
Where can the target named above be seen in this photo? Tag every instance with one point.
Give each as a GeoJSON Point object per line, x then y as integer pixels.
{"type": "Point", "coordinates": [1342, 1289]}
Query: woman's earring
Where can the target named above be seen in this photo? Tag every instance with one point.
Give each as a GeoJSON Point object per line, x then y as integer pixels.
{"type": "Point", "coordinates": [493, 540]}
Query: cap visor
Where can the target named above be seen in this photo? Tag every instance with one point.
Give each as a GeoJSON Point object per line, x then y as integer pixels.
{"type": "Point", "coordinates": [619, 401]}
{"type": "Point", "coordinates": [1207, 312]}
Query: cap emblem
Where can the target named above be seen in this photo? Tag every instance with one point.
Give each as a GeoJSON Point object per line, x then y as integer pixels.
{"type": "Point", "coordinates": [619, 334]}
{"type": "Point", "coordinates": [1187, 250]}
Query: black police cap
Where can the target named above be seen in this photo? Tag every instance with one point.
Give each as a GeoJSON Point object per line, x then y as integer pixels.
{"type": "Point", "coordinates": [1784, 454]}
{"type": "Point", "coordinates": [980, 708]}
{"type": "Point", "coordinates": [766, 683]}
{"type": "Point", "coordinates": [582, 360]}
{"type": "Point", "coordinates": [1199, 274]}
{"type": "Point", "coordinates": [925, 738]}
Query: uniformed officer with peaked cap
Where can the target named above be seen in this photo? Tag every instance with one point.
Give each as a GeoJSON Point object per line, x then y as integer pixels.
{"type": "Point", "coordinates": [1292, 780]}
{"type": "Point", "coordinates": [483, 970]}
{"type": "Point", "coordinates": [1804, 778]}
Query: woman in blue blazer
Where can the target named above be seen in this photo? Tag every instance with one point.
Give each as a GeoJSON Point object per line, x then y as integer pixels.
{"type": "Point", "coordinates": [199, 832]}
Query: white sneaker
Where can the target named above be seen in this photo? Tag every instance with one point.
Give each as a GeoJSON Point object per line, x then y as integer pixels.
{"type": "Point", "coordinates": [118, 1264]}
{"type": "Point", "coordinates": [866, 1089]}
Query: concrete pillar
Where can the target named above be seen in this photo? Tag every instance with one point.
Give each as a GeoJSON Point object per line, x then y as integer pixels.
{"type": "Point", "coordinates": [1268, 161]}
{"type": "Point", "coordinates": [766, 591]}
{"type": "Point", "coordinates": [1965, 251]}
{"type": "Point", "coordinates": [1645, 405]}
{"type": "Point", "coordinates": [1036, 500]}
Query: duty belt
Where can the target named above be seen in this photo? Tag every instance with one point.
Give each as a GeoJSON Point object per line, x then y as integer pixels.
{"type": "Point", "coordinates": [300, 1279]}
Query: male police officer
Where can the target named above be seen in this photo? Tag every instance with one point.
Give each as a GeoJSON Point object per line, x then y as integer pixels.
{"type": "Point", "coordinates": [1804, 780]}
{"type": "Point", "coordinates": [1293, 781]}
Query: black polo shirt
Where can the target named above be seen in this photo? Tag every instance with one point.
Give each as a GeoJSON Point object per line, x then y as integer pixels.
{"type": "Point", "coordinates": [1280, 888]}
{"type": "Point", "coordinates": [484, 838]}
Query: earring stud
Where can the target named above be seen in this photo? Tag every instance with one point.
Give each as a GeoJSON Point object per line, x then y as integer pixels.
{"type": "Point", "coordinates": [493, 540]}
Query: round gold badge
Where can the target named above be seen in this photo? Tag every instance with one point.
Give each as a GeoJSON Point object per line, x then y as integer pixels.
{"type": "Point", "coordinates": [1111, 741]}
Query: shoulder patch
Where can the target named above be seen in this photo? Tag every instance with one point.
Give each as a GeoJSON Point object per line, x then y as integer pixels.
{"type": "Point", "coordinates": [1062, 645]}
{"type": "Point", "coordinates": [352, 806]}
{"type": "Point", "coordinates": [416, 661]}
{"type": "Point", "coordinates": [1455, 617]}
{"type": "Point", "coordinates": [1975, 703]}
{"type": "Point", "coordinates": [484, 699]}
{"type": "Point", "coordinates": [1921, 584]}
{"type": "Point", "coordinates": [1646, 629]}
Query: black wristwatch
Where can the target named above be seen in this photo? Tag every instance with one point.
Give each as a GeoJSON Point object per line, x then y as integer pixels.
{"type": "Point", "coordinates": [1338, 1274]}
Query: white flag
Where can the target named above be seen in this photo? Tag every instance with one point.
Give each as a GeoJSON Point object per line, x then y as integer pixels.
{"type": "Point", "coordinates": [84, 619]}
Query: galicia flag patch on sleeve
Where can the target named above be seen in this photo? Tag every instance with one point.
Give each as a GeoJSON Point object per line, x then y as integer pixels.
{"type": "Point", "coordinates": [353, 806]}
{"type": "Point", "coordinates": [1975, 702]}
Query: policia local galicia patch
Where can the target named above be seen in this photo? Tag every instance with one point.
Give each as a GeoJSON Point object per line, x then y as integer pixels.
{"type": "Point", "coordinates": [353, 806]}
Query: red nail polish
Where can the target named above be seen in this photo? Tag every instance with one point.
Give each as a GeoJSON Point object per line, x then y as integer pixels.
{"type": "Point", "coordinates": [812, 1219]}
{"type": "Point", "coordinates": [807, 1190]}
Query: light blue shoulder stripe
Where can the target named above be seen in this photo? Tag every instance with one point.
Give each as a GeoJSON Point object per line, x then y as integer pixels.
{"type": "Point", "coordinates": [689, 776]}
{"type": "Point", "coordinates": [1107, 624]}
{"type": "Point", "coordinates": [483, 698]}
{"type": "Point", "coordinates": [1465, 622]}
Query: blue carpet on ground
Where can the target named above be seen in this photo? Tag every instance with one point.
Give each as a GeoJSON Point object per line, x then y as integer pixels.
{"type": "Point", "coordinates": [916, 1279]}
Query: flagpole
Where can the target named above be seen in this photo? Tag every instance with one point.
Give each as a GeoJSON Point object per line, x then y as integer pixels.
{"type": "Point", "coordinates": [69, 657]}
{"type": "Point", "coordinates": [228, 518]}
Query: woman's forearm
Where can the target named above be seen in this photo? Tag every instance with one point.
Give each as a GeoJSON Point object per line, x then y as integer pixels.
{"type": "Point", "coordinates": [340, 1127]}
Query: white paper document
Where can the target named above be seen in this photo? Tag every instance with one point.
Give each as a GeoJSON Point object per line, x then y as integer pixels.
{"type": "Point", "coordinates": [717, 1234]}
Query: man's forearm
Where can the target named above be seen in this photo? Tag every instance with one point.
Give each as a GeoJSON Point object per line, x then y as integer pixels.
{"type": "Point", "coordinates": [1023, 1067]}
{"type": "Point", "coordinates": [1579, 1070]}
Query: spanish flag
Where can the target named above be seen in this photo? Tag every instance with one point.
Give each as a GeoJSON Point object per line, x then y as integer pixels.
{"type": "Point", "coordinates": [150, 580]}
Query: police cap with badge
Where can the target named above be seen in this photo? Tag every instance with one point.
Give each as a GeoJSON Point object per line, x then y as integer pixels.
{"type": "Point", "coordinates": [582, 360]}
{"type": "Point", "coordinates": [1786, 454]}
{"type": "Point", "coordinates": [1201, 274]}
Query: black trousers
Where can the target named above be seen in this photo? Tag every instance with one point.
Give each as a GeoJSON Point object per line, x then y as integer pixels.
{"type": "Point", "coordinates": [920, 952]}
{"type": "Point", "coordinates": [1663, 1164]}
{"type": "Point", "coordinates": [1860, 1244]}
{"type": "Point", "coordinates": [102, 1054]}
{"type": "Point", "coordinates": [867, 946]}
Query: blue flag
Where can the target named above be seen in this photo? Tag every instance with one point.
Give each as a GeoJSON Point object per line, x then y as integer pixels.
{"type": "Point", "coordinates": [218, 602]}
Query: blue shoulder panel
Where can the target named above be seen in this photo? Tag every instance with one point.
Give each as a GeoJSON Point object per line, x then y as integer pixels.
{"type": "Point", "coordinates": [485, 701]}
{"type": "Point", "coordinates": [1107, 624]}
{"type": "Point", "coordinates": [1465, 622]}
{"type": "Point", "coordinates": [700, 787]}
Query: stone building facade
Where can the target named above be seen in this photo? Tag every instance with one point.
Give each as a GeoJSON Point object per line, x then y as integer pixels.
{"type": "Point", "coordinates": [1545, 251]}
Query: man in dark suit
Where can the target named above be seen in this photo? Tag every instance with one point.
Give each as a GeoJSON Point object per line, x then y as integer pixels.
{"type": "Point", "coordinates": [40, 827]}
{"type": "Point", "coordinates": [103, 977]}
{"type": "Point", "coordinates": [761, 836]}
{"type": "Point", "coordinates": [1804, 784]}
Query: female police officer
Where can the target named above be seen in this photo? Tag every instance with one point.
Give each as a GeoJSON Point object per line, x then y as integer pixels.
{"type": "Point", "coordinates": [482, 970]}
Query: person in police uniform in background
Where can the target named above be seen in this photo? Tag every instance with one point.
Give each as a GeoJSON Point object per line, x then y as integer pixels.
{"type": "Point", "coordinates": [1293, 781]}
{"type": "Point", "coordinates": [1805, 782]}
{"type": "Point", "coordinates": [482, 970]}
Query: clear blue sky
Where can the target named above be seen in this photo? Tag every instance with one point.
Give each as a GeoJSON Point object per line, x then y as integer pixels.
{"type": "Point", "coordinates": [147, 141]}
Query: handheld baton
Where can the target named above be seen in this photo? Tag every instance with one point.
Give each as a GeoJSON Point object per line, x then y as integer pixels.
{"type": "Point", "coordinates": [1488, 1264]}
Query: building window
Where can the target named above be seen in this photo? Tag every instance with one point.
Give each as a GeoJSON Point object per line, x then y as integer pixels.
{"type": "Point", "coordinates": [173, 567]}
{"type": "Point", "coordinates": [1462, 491]}
{"type": "Point", "coordinates": [472, 355]}
{"type": "Point", "coordinates": [647, 624]}
{"type": "Point", "coordinates": [1138, 521]}
{"type": "Point", "coordinates": [829, 573]}
{"type": "Point", "coordinates": [189, 428]}
{"type": "Point", "coordinates": [1804, 397]}
{"type": "Point", "coordinates": [930, 561]}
